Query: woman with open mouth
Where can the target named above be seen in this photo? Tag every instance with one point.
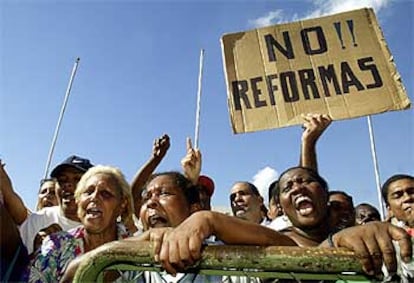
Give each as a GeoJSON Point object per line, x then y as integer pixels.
{"type": "Point", "coordinates": [102, 195]}
{"type": "Point", "coordinates": [304, 199]}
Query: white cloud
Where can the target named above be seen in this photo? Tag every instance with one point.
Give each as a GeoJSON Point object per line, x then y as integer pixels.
{"type": "Point", "coordinates": [328, 7]}
{"type": "Point", "coordinates": [321, 8]}
{"type": "Point", "coordinates": [273, 17]}
{"type": "Point", "coordinates": [262, 180]}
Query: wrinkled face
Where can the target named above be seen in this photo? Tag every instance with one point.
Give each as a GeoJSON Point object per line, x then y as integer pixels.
{"type": "Point", "coordinates": [68, 178]}
{"type": "Point", "coordinates": [47, 194]}
{"type": "Point", "coordinates": [365, 214]}
{"type": "Point", "coordinates": [401, 200]}
{"type": "Point", "coordinates": [245, 204]}
{"type": "Point", "coordinates": [100, 203]}
{"type": "Point", "coordinates": [302, 198]}
{"type": "Point", "coordinates": [163, 203]}
{"type": "Point", "coordinates": [341, 212]}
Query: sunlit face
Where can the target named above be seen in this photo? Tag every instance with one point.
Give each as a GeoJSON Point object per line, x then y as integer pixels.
{"type": "Point", "coordinates": [163, 203]}
{"type": "Point", "coordinates": [47, 194]}
{"type": "Point", "coordinates": [245, 203]}
{"type": "Point", "coordinates": [365, 214]}
{"type": "Point", "coordinates": [68, 178]}
{"type": "Point", "coordinates": [100, 203]}
{"type": "Point", "coordinates": [302, 198]}
{"type": "Point", "coordinates": [341, 212]}
{"type": "Point", "coordinates": [401, 200]}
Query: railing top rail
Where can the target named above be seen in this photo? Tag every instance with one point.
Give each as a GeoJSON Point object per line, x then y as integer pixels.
{"type": "Point", "coordinates": [273, 261]}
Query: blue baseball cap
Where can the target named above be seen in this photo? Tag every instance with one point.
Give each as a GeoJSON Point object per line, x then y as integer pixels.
{"type": "Point", "coordinates": [74, 161]}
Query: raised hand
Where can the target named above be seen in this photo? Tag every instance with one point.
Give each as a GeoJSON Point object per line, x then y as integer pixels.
{"type": "Point", "coordinates": [191, 163]}
{"type": "Point", "coordinates": [314, 125]}
{"type": "Point", "coordinates": [5, 182]}
{"type": "Point", "coordinates": [161, 146]}
{"type": "Point", "coordinates": [11, 200]}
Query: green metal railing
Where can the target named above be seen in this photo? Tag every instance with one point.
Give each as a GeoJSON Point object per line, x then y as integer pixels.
{"type": "Point", "coordinates": [295, 263]}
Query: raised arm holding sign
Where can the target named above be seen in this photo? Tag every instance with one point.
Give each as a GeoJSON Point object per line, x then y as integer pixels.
{"type": "Point", "coordinates": [338, 65]}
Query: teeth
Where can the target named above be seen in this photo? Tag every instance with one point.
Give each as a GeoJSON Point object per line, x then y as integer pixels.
{"type": "Point", "coordinates": [304, 205]}
{"type": "Point", "coordinates": [93, 210]}
{"type": "Point", "coordinates": [305, 211]}
{"type": "Point", "coordinates": [155, 219]}
{"type": "Point", "coordinates": [67, 194]}
{"type": "Point", "coordinates": [301, 199]}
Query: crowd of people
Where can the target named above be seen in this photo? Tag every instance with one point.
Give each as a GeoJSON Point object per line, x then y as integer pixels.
{"type": "Point", "coordinates": [84, 206]}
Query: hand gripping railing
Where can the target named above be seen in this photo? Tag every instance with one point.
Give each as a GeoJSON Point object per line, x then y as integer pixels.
{"type": "Point", "coordinates": [265, 262]}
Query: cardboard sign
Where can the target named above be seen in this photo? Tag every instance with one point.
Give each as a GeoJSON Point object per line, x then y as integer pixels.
{"type": "Point", "coordinates": [338, 65]}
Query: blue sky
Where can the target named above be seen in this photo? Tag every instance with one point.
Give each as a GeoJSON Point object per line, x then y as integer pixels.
{"type": "Point", "coordinates": [137, 79]}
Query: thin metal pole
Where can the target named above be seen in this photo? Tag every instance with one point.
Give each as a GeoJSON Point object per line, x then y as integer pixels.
{"type": "Point", "coordinates": [374, 159]}
{"type": "Point", "coordinates": [62, 111]}
{"type": "Point", "coordinates": [197, 124]}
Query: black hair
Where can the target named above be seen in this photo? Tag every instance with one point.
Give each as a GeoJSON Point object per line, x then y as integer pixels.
{"type": "Point", "coordinates": [273, 191]}
{"type": "Point", "coordinates": [365, 204]}
{"type": "Point", "coordinates": [313, 173]}
{"type": "Point", "coordinates": [348, 197]}
{"type": "Point", "coordinates": [190, 191]}
{"type": "Point", "coordinates": [392, 179]}
{"type": "Point", "coordinates": [253, 188]}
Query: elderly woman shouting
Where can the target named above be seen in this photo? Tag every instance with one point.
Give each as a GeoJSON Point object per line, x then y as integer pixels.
{"type": "Point", "coordinates": [102, 195]}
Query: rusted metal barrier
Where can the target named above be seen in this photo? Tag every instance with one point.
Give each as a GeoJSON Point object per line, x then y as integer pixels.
{"type": "Point", "coordinates": [264, 262]}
